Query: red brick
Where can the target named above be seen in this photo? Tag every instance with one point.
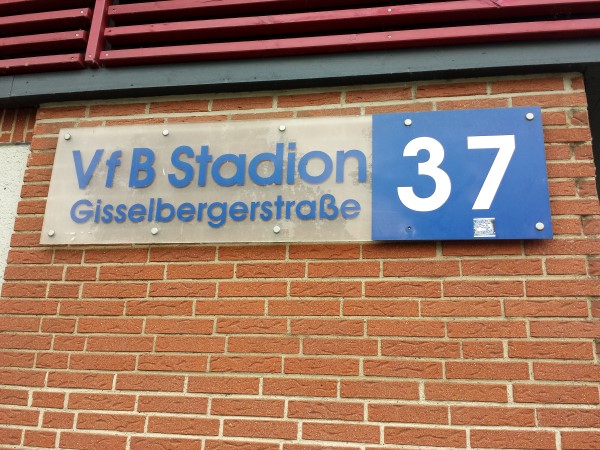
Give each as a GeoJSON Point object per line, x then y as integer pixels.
{"type": "Point", "coordinates": [250, 364]}
{"type": "Point", "coordinates": [472, 103]}
{"type": "Point", "coordinates": [112, 422]}
{"type": "Point", "coordinates": [321, 366]}
{"type": "Point", "coordinates": [183, 425]}
{"type": "Point", "coordinates": [169, 254]}
{"type": "Point", "coordinates": [104, 402]}
{"type": "Point", "coordinates": [247, 407]}
{"type": "Point", "coordinates": [399, 250]}
{"type": "Point", "coordinates": [549, 393]}
{"type": "Point", "coordinates": [562, 288]}
{"type": "Point", "coordinates": [26, 341]}
{"type": "Point", "coordinates": [239, 103]}
{"type": "Point", "coordinates": [580, 440]}
{"type": "Point", "coordinates": [327, 327]}
{"type": "Point", "coordinates": [252, 252]}
{"type": "Point", "coordinates": [80, 380]}
{"type": "Point", "coordinates": [179, 326]}
{"type": "Point", "coordinates": [132, 272]}
{"type": "Point", "coordinates": [324, 251]}
{"type": "Point", "coordinates": [230, 307]}
{"type": "Point", "coordinates": [466, 392]}
{"type": "Point", "coordinates": [304, 307]}
{"type": "Point", "coordinates": [68, 256]}
{"type": "Point", "coordinates": [114, 290]}
{"type": "Point", "coordinates": [51, 112]}
{"type": "Point", "coordinates": [408, 413]}
{"type": "Point", "coordinates": [147, 382]}
{"type": "Point", "coordinates": [19, 417]}
{"type": "Point", "coordinates": [404, 390]}
{"type": "Point", "coordinates": [550, 350]}
{"type": "Point", "coordinates": [492, 416]}
{"type": "Point", "coordinates": [90, 361]}
{"type": "Point", "coordinates": [482, 349]}
{"type": "Point", "coordinates": [566, 372]}
{"type": "Point", "coordinates": [402, 289]}
{"type": "Point", "coordinates": [343, 269]}
{"type": "Point", "coordinates": [387, 308]}
{"type": "Point", "coordinates": [570, 170]}
{"type": "Point", "coordinates": [327, 346]}
{"type": "Point", "coordinates": [70, 343]}
{"type": "Point", "coordinates": [488, 288]}
{"type": "Point", "coordinates": [56, 290]}
{"type": "Point", "coordinates": [80, 274]}
{"type": "Point", "coordinates": [496, 267]}
{"type": "Point", "coordinates": [223, 385]}
{"type": "Point", "coordinates": [288, 446]}
{"type": "Point", "coordinates": [565, 328]}
{"type": "Point", "coordinates": [420, 349]}
{"type": "Point", "coordinates": [88, 441]}
{"type": "Point", "coordinates": [487, 329]}
{"type": "Point", "coordinates": [568, 417]}
{"type": "Point", "coordinates": [199, 271]}
{"type": "Point", "coordinates": [421, 268]}
{"type": "Point", "coordinates": [179, 106]}
{"type": "Point", "coordinates": [119, 344]}
{"type": "Point", "coordinates": [527, 85]}
{"type": "Point", "coordinates": [22, 324]}
{"type": "Point", "coordinates": [565, 266]}
{"type": "Point", "coordinates": [260, 429]}
{"type": "Point", "coordinates": [252, 289]}
{"type": "Point", "coordinates": [52, 360]}
{"type": "Point", "coordinates": [564, 247]}
{"type": "Point", "coordinates": [270, 270]}
{"type": "Point", "coordinates": [325, 288]}
{"type": "Point", "coordinates": [159, 307]}
{"type": "Point", "coordinates": [116, 255]}
{"type": "Point", "coordinates": [169, 363]}
{"type": "Point", "coordinates": [451, 90]}
{"type": "Point", "coordinates": [172, 404]}
{"type": "Point", "coordinates": [516, 439]}
{"type": "Point", "coordinates": [262, 116]}
{"type": "Point", "coordinates": [402, 107]}
{"type": "Point", "coordinates": [487, 370]}
{"type": "Point", "coordinates": [155, 443]}
{"type": "Point", "coordinates": [182, 289]}
{"type": "Point", "coordinates": [33, 273]}
{"type": "Point", "coordinates": [37, 438]}
{"type": "Point", "coordinates": [587, 188]}
{"type": "Point", "coordinates": [17, 359]}
{"type": "Point", "coordinates": [109, 325]}
{"type": "Point", "coordinates": [317, 99]}
{"type": "Point", "coordinates": [319, 431]}
{"type": "Point", "coordinates": [428, 437]}
{"type": "Point", "coordinates": [58, 419]}
{"type": "Point", "coordinates": [192, 344]}
{"type": "Point", "coordinates": [326, 112]}
{"type": "Point", "coordinates": [117, 110]}
{"type": "Point", "coordinates": [14, 397]}
{"type": "Point", "coordinates": [378, 95]}
{"type": "Point", "coordinates": [481, 248]}
{"type": "Point", "coordinates": [460, 308]}
{"type": "Point", "coordinates": [283, 345]}
{"type": "Point", "coordinates": [24, 290]}
{"type": "Point", "coordinates": [412, 328]}
{"type": "Point", "coordinates": [92, 308]}
{"type": "Point", "coordinates": [251, 326]}
{"type": "Point", "coordinates": [402, 368]}
{"type": "Point", "coordinates": [300, 387]}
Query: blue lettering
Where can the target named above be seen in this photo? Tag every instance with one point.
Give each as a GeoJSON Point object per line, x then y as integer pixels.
{"type": "Point", "coordinates": [81, 215]}
{"type": "Point", "coordinates": [145, 166]}
{"type": "Point", "coordinates": [186, 168]}
{"type": "Point", "coordinates": [349, 209]}
{"type": "Point", "coordinates": [327, 202]}
{"type": "Point", "coordinates": [327, 167]}
{"type": "Point", "coordinates": [186, 212]}
{"type": "Point", "coordinates": [238, 211]}
{"type": "Point", "coordinates": [277, 161]}
{"type": "Point", "coordinates": [160, 207]}
{"type": "Point", "coordinates": [217, 220]}
{"type": "Point", "coordinates": [361, 160]}
{"type": "Point", "coordinates": [84, 177]}
{"type": "Point", "coordinates": [306, 215]}
{"type": "Point", "coordinates": [136, 213]}
{"type": "Point", "coordinates": [238, 178]}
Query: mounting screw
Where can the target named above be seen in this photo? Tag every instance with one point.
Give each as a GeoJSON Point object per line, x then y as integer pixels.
{"type": "Point", "coordinates": [67, 137]}
{"type": "Point", "coordinates": [389, 9]}
{"type": "Point", "coordinates": [51, 233]}
{"type": "Point", "coordinates": [529, 116]}
{"type": "Point", "coordinates": [539, 226]}
{"type": "Point", "coordinates": [281, 127]}
{"type": "Point", "coordinates": [276, 229]}
{"type": "Point", "coordinates": [165, 132]}
{"type": "Point", "coordinates": [154, 231]}
{"type": "Point", "coordinates": [407, 122]}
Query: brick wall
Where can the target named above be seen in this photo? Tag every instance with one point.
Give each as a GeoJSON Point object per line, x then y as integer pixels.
{"type": "Point", "coordinates": [288, 347]}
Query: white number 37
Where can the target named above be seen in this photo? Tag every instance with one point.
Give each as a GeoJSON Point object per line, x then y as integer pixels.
{"type": "Point", "coordinates": [443, 186]}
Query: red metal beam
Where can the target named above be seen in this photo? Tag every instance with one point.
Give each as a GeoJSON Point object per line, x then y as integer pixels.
{"type": "Point", "coordinates": [559, 29]}
{"type": "Point", "coordinates": [8, 7]}
{"type": "Point", "coordinates": [46, 21]}
{"type": "Point", "coordinates": [41, 63]}
{"type": "Point", "coordinates": [310, 22]}
{"type": "Point", "coordinates": [43, 43]}
{"type": "Point", "coordinates": [186, 9]}
{"type": "Point", "coordinates": [96, 40]}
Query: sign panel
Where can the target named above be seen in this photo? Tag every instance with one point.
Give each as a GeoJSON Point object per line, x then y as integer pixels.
{"type": "Point", "coordinates": [415, 176]}
{"type": "Point", "coordinates": [475, 174]}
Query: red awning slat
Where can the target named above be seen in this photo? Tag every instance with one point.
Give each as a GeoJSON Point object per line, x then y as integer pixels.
{"type": "Point", "coordinates": [41, 63]}
{"type": "Point", "coordinates": [9, 7]}
{"type": "Point", "coordinates": [46, 21]}
{"type": "Point", "coordinates": [37, 42]}
{"type": "Point", "coordinates": [355, 42]}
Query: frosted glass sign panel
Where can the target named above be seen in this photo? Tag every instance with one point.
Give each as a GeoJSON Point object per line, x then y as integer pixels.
{"type": "Point", "coordinates": [298, 180]}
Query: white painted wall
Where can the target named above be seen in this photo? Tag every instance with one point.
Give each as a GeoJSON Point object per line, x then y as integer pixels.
{"type": "Point", "coordinates": [13, 160]}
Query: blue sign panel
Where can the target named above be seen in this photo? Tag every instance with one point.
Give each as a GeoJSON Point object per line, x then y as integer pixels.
{"type": "Point", "coordinates": [477, 174]}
